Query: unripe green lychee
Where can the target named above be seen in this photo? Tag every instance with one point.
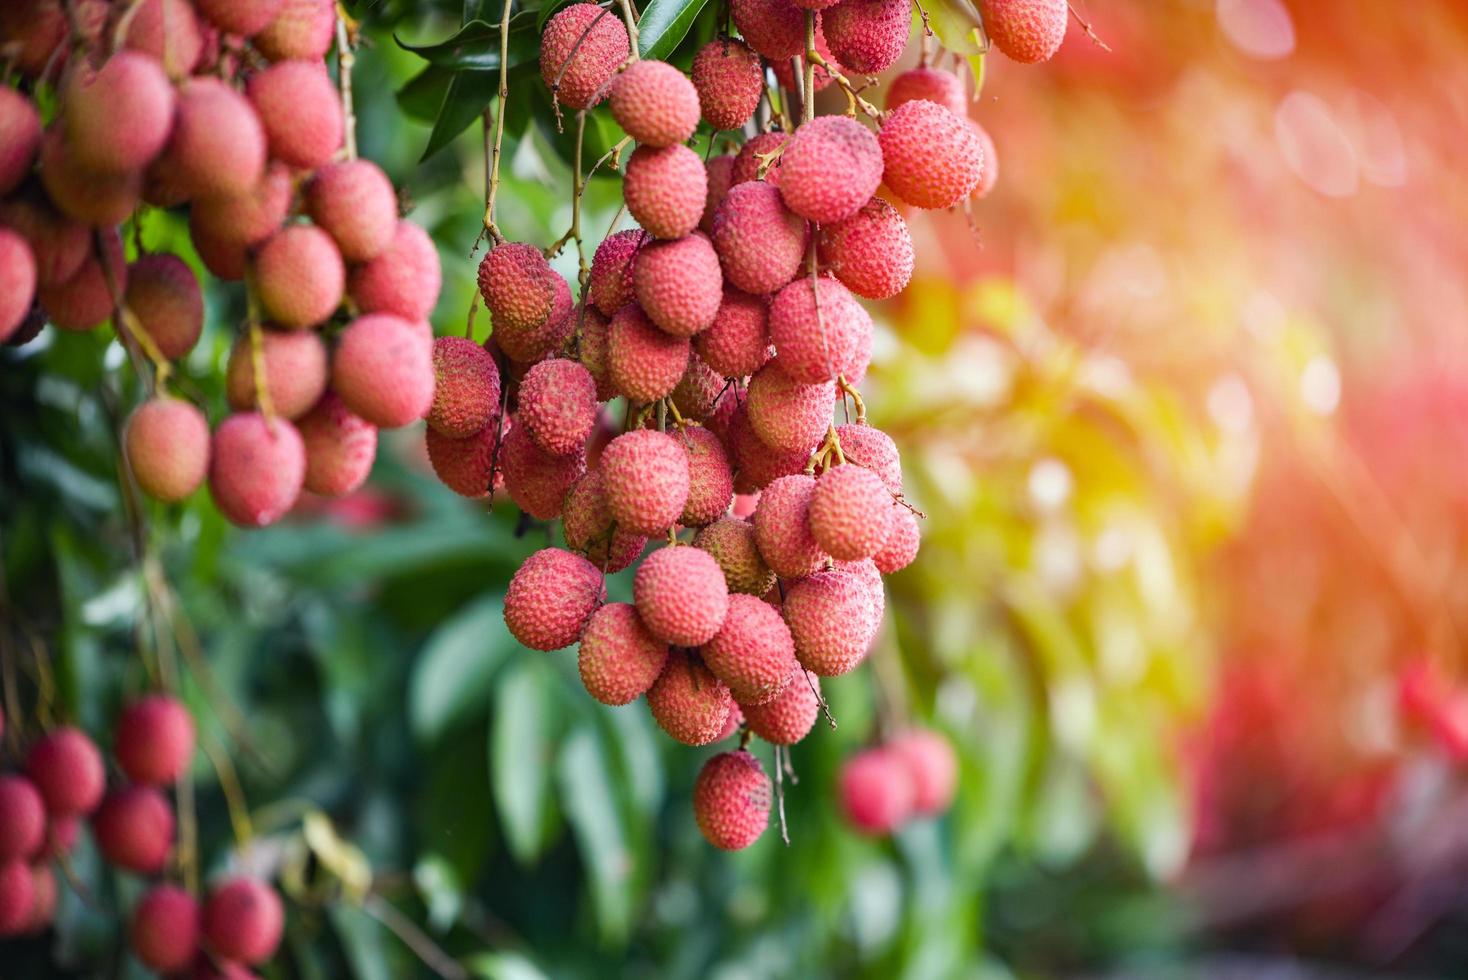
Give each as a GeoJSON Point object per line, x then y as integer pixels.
{"type": "Point", "coordinates": [788, 718]}
{"type": "Point", "coordinates": [934, 768]}
{"type": "Point", "coordinates": [466, 388]}
{"type": "Point", "coordinates": [91, 197]}
{"type": "Point", "coordinates": [163, 293]}
{"type": "Point", "coordinates": [154, 740]}
{"type": "Point", "coordinates": [20, 138]}
{"type": "Point", "coordinates": [303, 29]}
{"type": "Point", "coordinates": [557, 406]}
{"type": "Point", "coordinates": [787, 414]}
{"type": "Point", "coordinates": [551, 597]}
{"type": "Point", "coordinates": [932, 159]}
{"type": "Point", "coordinates": [85, 300]}
{"type": "Point", "coordinates": [850, 512]}
{"type": "Point", "coordinates": [22, 818]}
{"type": "Point", "coordinates": [300, 110]}
{"type": "Point", "coordinates": [353, 201]}
{"type": "Point", "coordinates": [66, 768]}
{"type": "Point", "coordinates": [756, 154]}
{"type": "Point", "coordinates": [17, 282]}
{"type": "Point", "coordinates": [383, 369]}
{"type": "Point", "coordinates": [243, 920]}
{"type": "Point", "coordinates": [870, 252]}
{"type": "Point", "coordinates": [901, 545]}
{"type": "Point", "coordinates": [830, 168]}
{"type": "Point", "coordinates": [340, 447]}
{"type": "Point", "coordinates": [876, 791]}
{"type": "Point", "coordinates": [760, 242]}
{"type": "Point", "coordinates": [688, 701]}
{"type": "Point", "coordinates": [299, 277]}
{"type": "Point", "coordinates": [118, 118]}
{"type": "Point", "coordinates": [665, 189]}
{"type": "Point", "coordinates": [782, 527]}
{"type": "Point", "coordinates": [654, 103]}
{"type": "Point", "coordinates": [403, 280]}
{"type": "Point", "coordinates": [731, 542]}
{"type": "Point", "coordinates": [830, 617]}
{"type": "Point", "coordinates": [134, 829]}
{"type": "Point", "coordinates": [537, 481]}
{"type": "Point", "coordinates": [817, 328]}
{"type": "Point", "coordinates": [587, 524]}
{"type": "Point", "coordinates": [647, 480]}
{"type": "Point", "coordinates": [295, 371]}
{"type": "Point", "coordinates": [868, 36]}
{"type": "Point", "coordinates": [465, 465]}
{"type": "Point", "coordinates": [680, 595]}
{"type": "Point", "coordinates": [167, 446]}
{"type": "Point", "coordinates": [618, 658]}
{"type": "Point", "coordinates": [218, 145]}
{"type": "Point", "coordinates": [731, 800]}
{"type": "Point", "coordinates": [774, 28]}
{"type": "Point", "coordinates": [610, 285]}
{"type": "Point", "coordinates": [580, 50]}
{"type": "Point", "coordinates": [1027, 31]}
{"type": "Point", "coordinates": [643, 362]}
{"type": "Point", "coordinates": [729, 80]}
{"type": "Point", "coordinates": [752, 652]}
{"type": "Point", "coordinates": [710, 477]}
{"type": "Point", "coordinates": [256, 468]}
{"type": "Point", "coordinates": [165, 929]}
{"type": "Point", "coordinates": [678, 284]}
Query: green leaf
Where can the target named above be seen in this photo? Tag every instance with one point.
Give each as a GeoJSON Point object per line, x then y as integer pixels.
{"type": "Point", "coordinates": [664, 24]}
{"type": "Point", "coordinates": [958, 26]}
{"type": "Point", "coordinates": [505, 966]}
{"type": "Point", "coordinates": [468, 94]}
{"type": "Point", "coordinates": [452, 678]}
{"type": "Point", "coordinates": [591, 806]}
{"type": "Point", "coordinates": [422, 95]}
{"type": "Point", "coordinates": [521, 749]}
{"type": "Point", "coordinates": [976, 65]}
{"type": "Point", "coordinates": [476, 45]}
{"type": "Point", "coordinates": [362, 941]}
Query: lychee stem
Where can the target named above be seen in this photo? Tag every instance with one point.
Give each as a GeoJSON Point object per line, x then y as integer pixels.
{"type": "Point", "coordinates": [229, 784]}
{"type": "Point", "coordinates": [132, 326]}
{"type": "Point", "coordinates": [1085, 26]}
{"type": "Point", "coordinates": [848, 389]}
{"type": "Point", "coordinates": [344, 61]}
{"type": "Point", "coordinates": [779, 794]}
{"type": "Point", "coordinates": [630, 16]}
{"type": "Point", "coordinates": [853, 94]}
{"type": "Point", "coordinates": [808, 96]}
{"type": "Point", "coordinates": [492, 150]}
{"type": "Point", "coordinates": [257, 368]}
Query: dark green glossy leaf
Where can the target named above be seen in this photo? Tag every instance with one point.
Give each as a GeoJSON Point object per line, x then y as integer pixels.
{"type": "Point", "coordinates": [591, 806]}
{"type": "Point", "coordinates": [476, 45]}
{"type": "Point", "coordinates": [521, 751]}
{"type": "Point", "coordinates": [664, 24]}
{"type": "Point", "coordinates": [452, 678]}
{"type": "Point", "coordinates": [467, 96]}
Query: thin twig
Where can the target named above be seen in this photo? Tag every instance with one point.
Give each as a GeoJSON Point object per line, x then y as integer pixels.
{"type": "Point", "coordinates": [414, 938]}
{"type": "Point", "coordinates": [492, 150]}
{"type": "Point", "coordinates": [345, 58]}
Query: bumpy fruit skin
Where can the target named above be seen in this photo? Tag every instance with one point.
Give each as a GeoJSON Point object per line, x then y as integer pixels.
{"type": "Point", "coordinates": [931, 84]}
{"type": "Point", "coordinates": [647, 480]}
{"type": "Point", "coordinates": [850, 512]}
{"type": "Point", "coordinates": [340, 447]}
{"type": "Point", "coordinates": [67, 769]}
{"type": "Point", "coordinates": [592, 350]}
{"type": "Point", "coordinates": [720, 170]}
{"type": "Point", "coordinates": [747, 162]}
{"type": "Point", "coordinates": [689, 702]}
{"type": "Point", "coordinates": [868, 36]}
{"type": "Point", "coordinates": [710, 478]}
{"type": "Point", "coordinates": [755, 463]}
{"type": "Point", "coordinates": [870, 252]}
{"type": "Point", "coordinates": [58, 244]}
{"type": "Point", "coordinates": [303, 29]}
{"type": "Point", "coordinates": [404, 280]}
{"type": "Point", "coordinates": [1027, 31]}
{"type": "Point", "coordinates": [218, 146]}
{"type": "Point", "coordinates": [643, 362]}
{"type": "Point", "coordinates": [731, 800]}
{"type": "Point", "coordinates": [697, 393]}
{"type": "Point", "coordinates": [300, 277]}
{"type": "Point", "coordinates": [991, 162]}
{"type": "Point", "coordinates": [901, 545]}
{"type": "Point", "coordinates": [866, 445]}
{"type": "Point", "coordinates": [295, 371]}
{"type": "Point", "coordinates": [876, 791]}
{"type": "Point", "coordinates": [932, 158]}
{"type": "Point", "coordinates": [154, 740]}
{"type": "Point", "coordinates": [586, 521]}
{"type": "Point", "coordinates": [557, 406]}
{"type": "Point", "coordinates": [830, 168]}
{"type": "Point", "coordinates": [537, 481]}
{"type": "Point", "coordinates": [865, 572]}
{"type": "Point", "coordinates": [165, 929]}
{"type": "Point", "coordinates": [610, 285]}
{"type": "Point", "coordinates": [665, 189]}
{"type": "Point", "coordinates": [580, 51]}
{"type": "Point", "coordinates": [619, 659]}
{"type": "Point", "coordinates": [817, 328]}
{"type": "Point", "coordinates": [551, 597]}
{"type": "Point", "coordinates": [782, 528]}
{"type": "Point", "coordinates": [383, 370]}
{"type": "Point", "coordinates": [774, 28]}
{"type": "Point", "coordinates": [830, 617]}
{"type": "Point", "coordinates": [752, 652]}
{"type": "Point", "coordinates": [163, 293]}
{"type": "Point", "coordinates": [89, 196]}
{"type": "Point", "coordinates": [822, 76]}
{"type": "Point", "coordinates": [244, 920]}
{"type": "Point", "coordinates": [166, 30]}
{"type": "Point", "coordinates": [20, 138]}
{"type": "Point", "coordinates": [934, 768]}
{"type": "Point", "coordinates": [655, 103]}
{"type": "Point", "coordinates": [134, 829]}
{"type": "Point", "coordinates": [17, 282]}
{"type": "Point", "coordinates": [729, 79]}
{"type": "Point", "coordinates": [465, 465]}
{"type": "Point", "coordinates": [353, 201]}
{"type": "Point", "coordinates": [731, 542]}
{"type": "Point", "coordinates": [17, 896]}
{"type": "Point", "coordinates": [167, 445]}
{"type": "Point", "coordinates": [678, 284]}
{"type": "Point", "coordinates": [786, 414]}
{"type": "Point", "coordinates": [246, 219]}
{"type": "Point", "coordinates": [256, 469]}
{"type": "Point", "coordinates": [518, 286]}
{"type": "Point", "coordinates": [119, 117]}
{"type": "Point", "coordinates": [85, 300]}
{"type": "Point", "coordinates": [788, 718]}
{"type": "Point", "coordinates": [466, 388]}
{"type": "Point", "coordinates": [22, 818]}
{"type": "Point", "coordinates": [737, 344]}
{"type": "Point", "coordinates": [300, 110]}
{"type": "Point", "coordinates": [760, 242]}
{"type": "Point", "coordinates": [680, 595]}
{"type": "Point", "coordinates": [243, 17]}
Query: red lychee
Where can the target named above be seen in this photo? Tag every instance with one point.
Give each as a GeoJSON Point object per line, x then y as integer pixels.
{"type": "Point", "coordinates": [340, 447]}
{"type": "Point", "coordinates": [782, 527]}
{"type": "Point", "coordinates": [738, 342]}
{"type": "Point", "coordinates": [1027, 31]}
{"type": "Point", "coordinates": [678, 284]}
{"type": "Point", "coordinates": [788, 718]}
{"type": "Point", "coordinates": [20, 138]}
{"type": "Point", "coordinates": [850, 512]}
{"type": "Point", "coordinates": [619, 659]}
{"type": "Point", "coordinates": [167, 446]}
{"type": "Point", "coordinates": [243, 920]}
{"type": "Point", "coordinates": [774, 28]}
{"type": "Point", "coordinates": [933, 766]}
{"type": "Point", "coordinates": [383, 370]}
{"type": "Point", "coordinates": [680, 595]}
{"type": "Point", "coordinates": [404, 279]}
{"type": "Point", "coordinates": [932, 159]}
{"type": "Point", "coordinates": [587, 524]}
{"type": "Point", "coordinates": [752, 652]}
{"type": "Point", "coordinates": [22, 818]}
{"type": "Point", "coordinates": [256, 468]}
{"type": "Point", "coordinates": [466, 388]}
{"type": "Point", "coordinates": [551, 597]}
{"type": "Point", "coordinates": [830, 168]}
{"type": "Point", "coordinates": [537, 481]}
{"type": "Point", "coordinates": [647, 480]}
{"type": "Point", "coordinates": [134, 829]}
{"type": "Point", "coordinates": [303, 29]}
{"type": "Point", "coordinates": [786, 414]}
{"type": "Point", "coordinates": [730, 80]}
{"type": "Point", "coordinates": [118, 118]}
{"type": "Point", "coordinates": [817, 328]}
{"type": "Point", "coordinates": [300, 110]}
{"type": "Point", "coordinates": [610, 285]}
{"type": "Point", "coordinates": [901, 545]}
{"type": "Point", "coordinates": [830, 617]}
{"type": "Point", "coordinates": [643, 362]}
{"type": "Point", "coordinates": [731, 800]}
{"type": "Point", "coordinates": [353, 201]}
{"type": "Point", "coordinates": [557, 406]}
{"type": "Point", "coordinates": [218, 145]}
{"type": "Point", "coordinates": [165, 929]}
{"type": "Point", "coordinates": [876, 791]}
{"type": "Point", "coordinates": [868, 36]}
{"type": "Point", "coordinates": [759, 153]}
{"type": "Point", "coordinates": [689, 702]}
{"type": "Point", "coordinates": [710, 478]}
{"type": "Point", "coordinates": [871, 251]}
{"type": "Point", "coordinates": [66, 768]}
{"type": "Point", "coordinates": [665, 189]}
{"type": "Point", "coordinates": [654, 103]}
{"type": "Point", "coordinates": [154, 740]}
{"type": "Point", "coordinates": [580, 51]}
{"type": "Point", "coordinates": [465, 465]}
{"type": "Point", "coordinates": [295, 366]}
{"type": "Point", "coordinates": [760, 242]}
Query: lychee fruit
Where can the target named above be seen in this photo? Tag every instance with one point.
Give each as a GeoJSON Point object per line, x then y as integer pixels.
{"type": "Point", "coordinates": [246, 219]}
{"type": "Point", "coordinates": [643, 362]}
{"type": "Point", "coordinates": [537, 481]}
{"type": "Point", "coordinates": [581, 49]}
{"type": "Point", "coordinates": [865, 572]}
{"type": "Point", "coordinates": [755, 463]}
{"type": "Point", "coordinates": [990, 174]}
{"type": "Point", "coordinates": [932, 158]}
{"type": "Point", "coordinates": [353, 201]}
{"type": "Point", "coordinates": [118, 118]}
{"type": "Point", "coordinates": [163, 293]}
{"type": "Point", "coordinates": [731, 800]}
{"type": "Point", "coordinates": [218, 146]}
{"type": "Point", "coordinates": [165, 929]}
{"type": "Point", "coordinates": [850, 512]}
{"type": "Point", "coordinates": [518, 286]}
{"type": "Point", "coordinates": [710, 478]}
{"type": "Point", "coordinates": [737, 344]}
{"type": "Point", "coordinates": [870, 252]}
{"type": "Point", "coordinates": [760, 242]}
{"type": "Point", "coordinates": [868, 36]}
{"type": "Point", "coordinates": [774, 28]}
{"type": "Point", "coordinates": [403, 280]}
{"type": "Point", "coordinates": [86, 299]}
{"type": "Point", "coordinates": [665, 189]}
{"type": "Point", "coordinates": [245, 18]}
{"type": "Point", "coordinates": [782, 527]}
{"type": "Point", "coordinates": [466, 388]}
{"type": "Point", "coordinates": [300, 110]}
{"type": "Point", "coordinates": [299, 277]}
{"type": "Point", "coordinates": [58, 244]}
{"type": "Point", "coordinates": [303, 29]}
{"type": "Point", "coordinates": [752, 652]}
{"type": "Point", "coordinates": [901, 545]}
{"type": "Point", "coordinates": [551, 597]}
{"type": "Point", "coordinates": [592, 350]}
{"type": "Point", "coordinates": [756, 154]}
{"type": "Point", "coordinates": [134, 828]}
{"type": "Point", "coordinates": [647, 480]}
{"type": "Point", "coordinates": [822, 77]}
{"type": "Point", "coordinates": [166, 30]}
{"type": "Point", "coordinates": [383, 370]}
{"type": "Point", "coordinates": [466, 465]}
{"type": "Point", "coordinates": [786, 414]}
{"type": "Point", "coordinates": [876, 791]}
{"type": "Point", "coordinates": [43, 900]}
{"type": "Point", "coordinates": [816, 326]}
{"type": "Point", "coordinates": [654, 103]}
{"type": "Point", "coordinates": [66, 768]}
{"type": "Point", "coordinates": [587, 523]}
{"type": "Point", "coordinates": [256, 468]}
{"type": "Point", "coordinates": [681, 595]}
{"type": "Point", "coordinates": [22, 818]}
{"type": "Point", "coordinates": [618, 658]}
{"type": "Point", "coordinates": [167, 446]}
{"type": "Point", "coordinates": [688, 701]}
{"type": "Point", "coordinates": [17, 896]}
{"type": "Point", "coordinates": [1027, 31]}
{"type": "Point", "coordinates": [20, 138]}
{"type": "Point", "coordinates": [830, 168]}
{"type": "Point", "coordinates": [931, 84]}
{"type": "Point", "coordinates": [295, 366]}
{"type": "Point", "coordinates": [866, 445]}
{"type": "Point", "coordinates": [243, 920]}
{"type": "Point", "coordinates": [697, 392]}
{"type": "Point", "coordinates": [720, 170]}
{"type": "Point", "coordinates": [729, 80]}
{"type": "Point", "coordinates": [89, 196]}
{"type": "Point", "coordinates": [610, 285]}
{"type": "Point", "coordinates": [17, 282]}
{"type": "Point", "coordinates": [830, 617]}
{"type": "Point", "coordinates": [788, 718]}
{"type": "Point", "coordinates": [934, 768]}
{"type": "Point", "coordinates": [731, 542]}
{"type": "Point", "coordinates": [154, 740]}
{"type": "Point", "coordinates": [678, 284]}
{"type": "Point", "coordinates": [340, 447]}
{"type": "Point", "coordinates": [557, 406]}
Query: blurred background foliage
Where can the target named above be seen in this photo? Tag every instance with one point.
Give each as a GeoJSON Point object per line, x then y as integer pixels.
{"type": "Point", "coordinates": [1183, 404]}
